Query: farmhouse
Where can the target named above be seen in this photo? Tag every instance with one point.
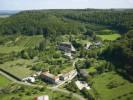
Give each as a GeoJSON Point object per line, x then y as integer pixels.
{"type": "Point", "coordinates": [68, 55]}
{"type": "Point", "coordinates": [68, 75]}
{"type": "Point", "coordinates": [81, 85]}
{"type": "Point", "coordinates": [50, 77]}
{"type": "Point", "coordinates": [97, 44]}
{"type": "Point", "coordinates": [45, 97]}
{"type": "Point", "coordinates": [64, 77]}
{"type": "Point", "coordinates": [29, 79]}
{"type": "Point", "coordinates": [67, 47]}
{"type": "Point", "coordinates": [87, 46]}
{"type": "Point", "coordinates": [83, 73]}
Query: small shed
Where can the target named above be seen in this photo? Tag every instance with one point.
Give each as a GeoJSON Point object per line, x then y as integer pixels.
{"type": "Point", "coordinates": [83, 72]}
{"type": "Point", "coordinates": [45, 97]}
{"type": "Point", "coordinates": [29, 79]}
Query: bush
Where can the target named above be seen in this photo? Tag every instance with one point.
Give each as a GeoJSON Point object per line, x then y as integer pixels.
{"type": "Point", "coordinates": [56, 55]}
{"type": "Point", "coordinates": [42, 89]}
{"type": "Point", "coordinates": [15, 98]}
{"type": "Point", "coordinates": [72, 87]}
{"type": "Point", "coordinates": [28, 93]}
{"type": "Point", "coordinates": [22, 89]}
{"type": "Point", "coordinates": [20, 94]}
{"type": "Point", "coordinates": [113, 84]}
{"type": "Point", "coordinates": [87, 94]}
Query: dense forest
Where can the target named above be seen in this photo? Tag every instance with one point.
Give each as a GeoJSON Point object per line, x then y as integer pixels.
{"type": "Point", "coordinates": [65, 21]}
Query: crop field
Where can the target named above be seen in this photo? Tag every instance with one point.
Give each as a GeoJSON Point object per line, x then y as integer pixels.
{"type": "Point", "coordinates": [18, 68]}
{"type": "Point", "coordinates": [20, 43]}
{"type": "Point", "coordinates": [6, 49]}
{"type": "Point", "coordinates": [4, 81]}
{"type": "Point", "coordinates": [110, 37]}
{"type": "Point", "coordinates": [111, 86]}
{"type": "Point", "coordinates": [28, 41]}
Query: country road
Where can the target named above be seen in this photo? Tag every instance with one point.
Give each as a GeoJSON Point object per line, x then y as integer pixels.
{"type": "Point", "coordinates": [72, 77]}
{"type": "Point", "coordinates": [52, 88]}
{"type": "Point", "coordinates": [68, 92]}
{"type": "Point", "coordinates": [74, 62]}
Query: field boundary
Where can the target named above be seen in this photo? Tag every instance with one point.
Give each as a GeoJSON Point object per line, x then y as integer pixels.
{"type": "Point", "coordinates": [17, 78]}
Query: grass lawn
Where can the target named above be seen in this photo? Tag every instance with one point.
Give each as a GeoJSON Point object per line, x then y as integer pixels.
{"type": "Point", "coordinates": [4, 81]}
{"type": "Point", "coordinates": [18, 67]}
{"type": "Point", "coordinates": [92, 70]}
{"type": "Point", "coordinates": [122, 91]}
{"type": "Point", "coordinates": [67, 69]}
{"type": "Point", "coordinates": [109, 37]}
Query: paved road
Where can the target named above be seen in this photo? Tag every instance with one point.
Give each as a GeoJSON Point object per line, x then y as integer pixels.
{"type": "Point", "coordinates": [52, 88]}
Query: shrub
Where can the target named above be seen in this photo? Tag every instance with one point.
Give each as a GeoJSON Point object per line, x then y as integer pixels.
{"type": "Point", "coordinates": [28, 93]}
{"type": "Point", "coordinates": [112, 84]}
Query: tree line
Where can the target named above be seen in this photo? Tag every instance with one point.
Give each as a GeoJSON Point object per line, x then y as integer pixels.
{"type": "Point", "coordinates": [120, 53]}
{"type": "Point", "coordinates": [58, 22]}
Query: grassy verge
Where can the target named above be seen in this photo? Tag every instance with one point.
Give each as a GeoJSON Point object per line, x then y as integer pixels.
{"type": "Point", "coordinates": [4, 81]}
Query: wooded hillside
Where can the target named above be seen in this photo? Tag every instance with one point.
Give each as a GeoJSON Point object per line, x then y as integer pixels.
{"type": "Point", "coordinates": [65, 21]}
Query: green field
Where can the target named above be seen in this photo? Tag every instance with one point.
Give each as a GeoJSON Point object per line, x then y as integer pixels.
{"type": "Point", "coordinates": [52, 96]}
{"type": "Point", "coordinates": [110, 37]}
{"type": "Point", "coordinates": [29, 93]}
{"type": "Point", "coordinates": [4, 81]}
{"type": "Point", "coordinates": [19, 43]}
{"type": "Point", "coordinates": [123, 89]}
{"type": "Point", "coordinates": [18, 68]}
{"type": "Point", "coordinates": [28, 41]}
{"type": "Point", "coordinates": [6, 49]}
